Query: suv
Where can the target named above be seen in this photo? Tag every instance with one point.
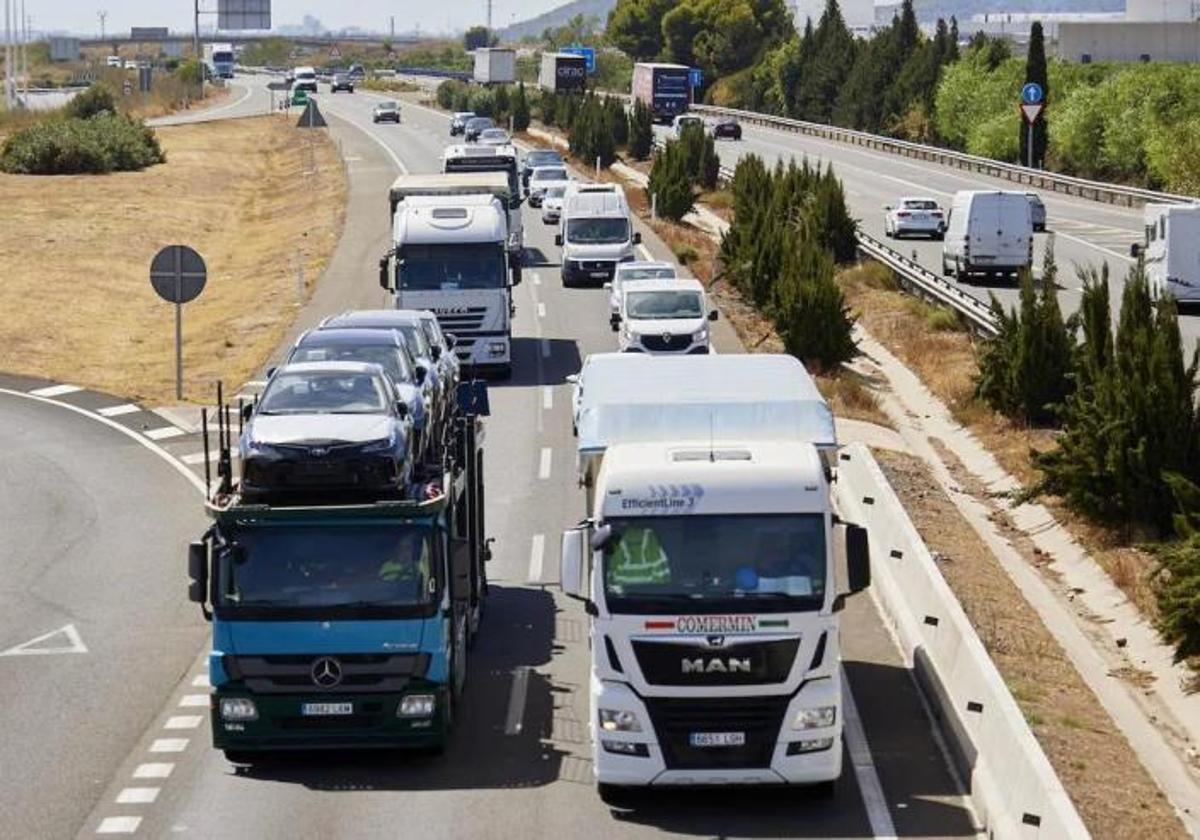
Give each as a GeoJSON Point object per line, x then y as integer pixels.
{"type": "Point", "coordinates": [341, 82]}
{"type": "Point", "coordinates": [476, 126]}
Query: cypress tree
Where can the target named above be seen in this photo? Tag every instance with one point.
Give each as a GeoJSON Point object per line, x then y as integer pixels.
{"type": "Point", "coordinates": [520, 109]}
{"type": "Point", "coordinates": [670, 187]}
{"type": "Point", "coordinates": [809, 311]}
{"type": "Point", "coordinates": [1035, 71]}
{"type": "Point", "coordinates": [641, 131]}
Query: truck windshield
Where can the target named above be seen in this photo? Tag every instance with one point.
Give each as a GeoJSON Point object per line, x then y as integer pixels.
{"type": "Point", "coordinates": [695, 564]}
{"type": "Point", "coordinates": [663, 305]}
{"type": "Point", "coordinates": [327, 570]}
{"type": "Point", "coordinates": [452, 267]}
{"type": "Point", "coordinates": [597, 231]}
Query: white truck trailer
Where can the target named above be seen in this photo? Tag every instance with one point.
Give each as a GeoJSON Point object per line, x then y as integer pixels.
{"type": "Point", "coordinates": [495, 66]}
{"type": "Point", "coordinates": [707, 564]}
{"type": "Point", "coordinates": [1171, 251]}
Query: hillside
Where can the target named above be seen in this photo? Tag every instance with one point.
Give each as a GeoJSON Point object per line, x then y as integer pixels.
{"type": "Point", "coordinates": [558, 17]}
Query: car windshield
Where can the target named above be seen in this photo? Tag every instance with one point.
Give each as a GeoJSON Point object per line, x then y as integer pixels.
{"type": "Point", "coordinates": [387, 357]}
{"type": "Point", "coordinates": [339, 568]}
{"type": "Point", "coordinates": [542, 159]}
{"type": "Point", "coordinates": [481, 123]}
{"type": "Point", "coordinates": [663, 304]}
{"type": "Point", "coordinates": [597, 231]}
{"type": "Point", "coordinates": [549, 174]}
{"type": "Point", "coordinates": [387, 106]}
{"type": "Point", "coordinates": [754, 562]}
{"type": "Point", "coordinates": [556, 192]}
{"type": "Point", "coordinates": [920, 204]}
{"type": "Point", "coordinates": [663, 273]}
{"type": "Point", "coordinates": [332, 392]}
{"type": "Point", "coordinates": [494, 134]}
{"type": "Point", "coordinates": [452, 267]}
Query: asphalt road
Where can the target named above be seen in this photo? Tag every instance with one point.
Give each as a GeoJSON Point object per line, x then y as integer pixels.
{"type": "Point", "coordinates": [92, 534]}
{"type": "Point", "coordinates": [519, 763]}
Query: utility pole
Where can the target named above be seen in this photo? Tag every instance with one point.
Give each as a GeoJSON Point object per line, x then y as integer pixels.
{"type": "Point", "coordinates": [24, 50]}
{"type": "Point", "coordinates": [489, 18]}
{"type": "Point", "coordinates": [8, 56]}
{"type": "Point", "coordinates": [393, 21]}
{"type": "Point", "coordinates": [102, 14]}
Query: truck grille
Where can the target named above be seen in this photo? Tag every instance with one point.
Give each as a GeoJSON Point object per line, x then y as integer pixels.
{"type": "Point", "coordinates": [361, 672]}
{"type": "Point", "coordinates": [753, 663]}
{"type": "Point", "coordinates": [467, 320]}
{"type": "Point", "coordinates": [666, 342]}
{"type": "Point", "coordinates": [674, 720]}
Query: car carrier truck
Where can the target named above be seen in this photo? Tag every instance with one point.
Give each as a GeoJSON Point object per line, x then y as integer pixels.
{"type": "Point", "coordinates": [344, 625]}
{"type": "Point", "coordinates": [707, 563]}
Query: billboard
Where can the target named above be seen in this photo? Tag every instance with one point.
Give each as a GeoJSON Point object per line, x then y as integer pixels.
{"type": "Point", "coordinates": [243, 14]}
{"type": "Point", "coordinates": [64, 49]}
{"type": "Point", "coordinates": [149, 33]}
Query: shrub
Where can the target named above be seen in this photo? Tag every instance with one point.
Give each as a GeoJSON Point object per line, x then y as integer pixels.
{"type": "Point", "coordinates": [1176, 581]}
{"type": "Point", "coordinates": [591, 135]}
{"type": "Point", "coordinates": [446, 93]}
{"type": "Point", "coordinates": [520, 109]}
{"type": "Point", "coordinates": [809, 310]}
{"type": "Point", "coordinates": [670, 188]}
{"type": "Point", "coordinates": [686, 254]}
{"type": "Point", "coordinates": [67, 146]}
{"type": "Point", "coordinates": [703, 163]}
{"type": "Point", "coordinates": [97, 99]}
{"type": "Point", "coordinates": [641, 131]}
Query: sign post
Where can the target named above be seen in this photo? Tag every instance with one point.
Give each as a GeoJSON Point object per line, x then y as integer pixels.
{"type": "Point", "coordinates": [178, 275]}
{"type": "Point", "coordinates": [1032, 105]}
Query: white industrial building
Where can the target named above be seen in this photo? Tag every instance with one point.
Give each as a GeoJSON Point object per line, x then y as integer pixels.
{"type": "Point", "coordinates": [1151, 30]}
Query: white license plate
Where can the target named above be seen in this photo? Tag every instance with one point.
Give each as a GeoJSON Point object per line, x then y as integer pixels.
{"type": "Point", "coordinates": [717, 739]}
{"type": "Point", "coordinates": [920, 217]}
{"type": "Point", "coordinates": [326, 709]}
{"type": "Point", "coordinates": [599, 273]}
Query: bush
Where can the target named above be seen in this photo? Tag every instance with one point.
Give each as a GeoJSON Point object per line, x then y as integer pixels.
{"type": "Point", "coordinates": [1176, 581]}
{"type": "Point", "coordinates": [449, 93]}
{"type": "Point", "coordinates": [809, 310]}
{"type": "Point", "coordinates": [97, 99]}
{"type": "Point", "coordinates": [68, 146]}
{"type": "Point", "coordinates": [591, 135]}
{"type": "Point", "coordinates": [703, 163]}
{"type": "Point", "coordinates": [670, 187]}
{"type": "Point", "coordinates": [641, 131]}
{"type": "Point", "coordinates": [520, 109]}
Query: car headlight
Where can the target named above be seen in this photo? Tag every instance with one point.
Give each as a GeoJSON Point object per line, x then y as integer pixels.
{"type": "Point", "coordinates": [700, 334]}
{"type": "Point", "coordinates": [817, 717]}
{"type": "Point", "coordinates": [417, 706]}
{"type": "Point", "coordinates": [628, 258]}
{"type": "Point", "coordinates": [259, 449]}
{"type": "Point", "coordinates": [382, 445]}
{"type": "Point", "coordinates": [238, 708]}
{"type": "Point", "coordinates": [619, 720]}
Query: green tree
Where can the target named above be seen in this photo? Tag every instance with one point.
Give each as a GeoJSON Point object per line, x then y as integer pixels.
{"type": "Point", "coordinates": [641, 131]}
{"type": "Point", "coordinates": [97, 99]}
{"type": "Point", "coordinates": [1035, 71]}
{"type": "Point", "coordinates": [670, 188]}
{"type": "Point", "coordinates": [1176, 581]}
{"type": "Point", "coordinates": [477, 37]}
{"type": "Point", "coordinates": [809, 310]}
{"type": "Point", "coordinates": [501, 104]}
{"type": "Point", "coordinates": [635, 27]}
{"type": "Point", "coordinates": [832, 56]}
{"type": "Point", "coordinates": [520, 109]}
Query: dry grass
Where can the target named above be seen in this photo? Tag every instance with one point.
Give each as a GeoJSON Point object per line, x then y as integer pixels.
{"type": "Point", "coordinates": [1113, 792]}
{"type": "Point", "coordinates": [75, 254]}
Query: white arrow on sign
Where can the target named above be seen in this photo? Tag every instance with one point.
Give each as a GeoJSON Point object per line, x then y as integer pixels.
{"type": "Point", "coordinates": [1031, 112]}
{"type": "Point", "coordinates": [66, 640]}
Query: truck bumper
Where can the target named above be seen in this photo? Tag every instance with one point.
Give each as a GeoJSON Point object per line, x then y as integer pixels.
{"type": "Point", "coordinates": [640, 759]}
{"type": "Point", "coordinates": [483, 352]}
{"type": "Point", "coordinates": [282, 725]}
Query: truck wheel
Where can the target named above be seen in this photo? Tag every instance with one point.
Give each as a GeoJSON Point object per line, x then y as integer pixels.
{"type": "Point", "coordinates": [615, 796]}
{"type": "Point", "coordinates": [239, 756]}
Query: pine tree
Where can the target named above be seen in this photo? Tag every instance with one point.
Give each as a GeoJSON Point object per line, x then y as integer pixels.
{"type": "Point", "coordinates": [751, 189]}
{"type": "Point", "coordinates": [1035, 71]}
{"type": "Point", "coordinates": [520, 109]}
{"type": "Point", "coordinates": [808, 308]}
{"type": "Point", "coordinates": [670, 187]}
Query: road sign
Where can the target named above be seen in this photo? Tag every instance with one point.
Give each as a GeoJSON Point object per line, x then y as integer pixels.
{"type": "Point", "coordinates": [695, 77]}
{"type": "Point", "coordinates": [588, 53]}
{"type": "Point", "coordinates": [1032, 93]}
{"type": "Point", "coordinates": [334, 52]}
{"type": "Point", "coordinates": [178, 275]}
{"type": "Point", "coordinates": [127, 87]}
{"type": "Point", "coordinates": [1032, 112]}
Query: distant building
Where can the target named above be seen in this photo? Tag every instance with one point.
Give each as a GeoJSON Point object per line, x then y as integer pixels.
{"type": "Point", "coordinates": [1162, 40]}
{"type": "Point", "coordinates": [64, 49]}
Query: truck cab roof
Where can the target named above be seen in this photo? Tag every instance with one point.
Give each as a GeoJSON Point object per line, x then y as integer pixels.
{"type": "Point", "coordinates": [432, 220]}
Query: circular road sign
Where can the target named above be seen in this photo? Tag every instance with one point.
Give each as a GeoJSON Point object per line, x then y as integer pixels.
{"type": "Point", "coordinates": [1032, 93]}
{"type": "Point", "coordinates": [177, 274]}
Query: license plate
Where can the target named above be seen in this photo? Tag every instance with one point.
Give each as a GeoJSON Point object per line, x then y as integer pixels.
{"type": "Point", "coordinates": [920, 217]}
{"type": "Point", "coordinates": [599, 273]}
{"type": "Point", "coordinates": [326, 709]}
{"type": "Point", "coordinates": [717, 739]}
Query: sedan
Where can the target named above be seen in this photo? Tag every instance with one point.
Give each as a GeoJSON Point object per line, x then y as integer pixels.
{"type": "Point", "coordinates": [386, 112]}
{"type": "Point", "coordinates": [458, 122]}
{"type": "Point", "coordinates": [341, 82]}
{"type": "Point", "coordinates": [544, 177]}
{"type": "Point", "coordinates": [536, 158]}
{"type": "Point", "coordinates": [327, 427]}
{"type": "Point", "coordinates": [914, 216]}
{"type": "Point", "coordinates": [476, 126]}
{"type": "Point", "coordinates": [552, 203]}
{"type": "Point", "coordinates": [495, 137]}
{"type": "Point", "coordinates": [726, 127]}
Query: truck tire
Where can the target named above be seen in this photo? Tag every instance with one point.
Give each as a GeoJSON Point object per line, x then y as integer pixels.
{"type": "Point", "coordinates": [239, 756]}
{"type": "Point", "coordinates": [616, 796]}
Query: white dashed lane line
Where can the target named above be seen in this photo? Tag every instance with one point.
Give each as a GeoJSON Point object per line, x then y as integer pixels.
{"type": "Point", "coordinates": [537, 555]}
{"type": "Point", "coordinates": [169, 745]}
{"type": "Point", "coordinates": [118, 410]}
{"type": "Point", "coordinates": [154, 770]}
{"type": "Point", "coordinates": [547, 397]}
{"type": "Point", "coordinates": [541, 310]}
{"type": "Point", "coordinates": [165, 433]}
{"type": "Point", "coordinates": [138, 796]}
{"type": "Point", "coordinates": [119, 825]}
{"type": "Point", "coordinates": [544, 464]}
{"type": "Point", "coordinates": [183, 722]}
{"type": "Point", "coordinates": [194, 700]}
{"type": "Point", "coordinates": [56, 390]}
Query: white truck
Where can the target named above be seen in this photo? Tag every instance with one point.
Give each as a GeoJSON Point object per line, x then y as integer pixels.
{"type": "Point", "coordinates": [707, 563]}
{"type": "Point", "coordinates": [450, 257]}
{"type": "Point", "coordinates": [1171, 251]}
{"type": "Point", "coordinates": [495, 66]}
{"type": "Point", "coordinates": [467, 158]}
{"type": "Point", "coordinates": [989, 232]}
{"type": "Point", "coordinates": [220, 60]}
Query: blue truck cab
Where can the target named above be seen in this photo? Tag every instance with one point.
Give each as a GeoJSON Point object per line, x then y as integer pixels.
{"type": "Point", "coordinates": [344, 625]}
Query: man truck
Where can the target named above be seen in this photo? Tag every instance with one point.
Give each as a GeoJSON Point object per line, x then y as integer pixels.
{"type": "Point", "coordinates": [706, 561]}
{"type": "Point", "coordinates": [664, 88]}
{"type": "Point", "coordinates": [344, 625]}
{"type": "Point", "coordinates": [220, 60]}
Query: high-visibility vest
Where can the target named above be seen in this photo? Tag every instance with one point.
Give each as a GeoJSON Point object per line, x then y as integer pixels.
{"type": "Point", "coordinates": [639, 559]}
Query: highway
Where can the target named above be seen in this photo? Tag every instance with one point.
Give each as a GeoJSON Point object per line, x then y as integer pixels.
{"type": "Point", "coordinates": [519, 763]}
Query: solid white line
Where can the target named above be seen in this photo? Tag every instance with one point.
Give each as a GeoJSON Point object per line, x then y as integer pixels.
{"type": "Point", "coordinates": [154, 770]}
{"type": "Point", "coordinates": [544, 466]}
{"type": "Point", "coordinates": [379, 140]}
{"type": "Point", "coordinates": [207, 114]}
{"type": "Point", "coordinates": [541, 310]}
{"type": "Point", "coordinates": [137, 796]}
{"type": "Point", "coordinates": [645, 252]}
{"type": "Point", "coordinates": [191, 700]}
{"type": "Point", "coordinates": [55, 390]}
{"type": "Point", "coordinates": [164, 433]}
{"type": "Point", "coordinates": [545, 348]}
{"type": "Point", "coordinates": [119, 825]}
{"type": "Point", "coordinates": [201, 681]}
{"type": "Point", "coordinates": [256, 383]}
{"type": "Point", "coordinates": [547, 397]}
{"type": "Point", "coordinates": [118, 410]}
{"type": "Point", "coordinates": [873, 799]}
{"type": "Point", "coordinates": [537, 554]}
{"type": "Point", "coordinates": [183, 722]}
{"type": "Point", "coordinates": [169, 745]}
{"type": "Point", "coordinates": [516, 701]}
{"type": "Point", "coordinates": [537, 278]}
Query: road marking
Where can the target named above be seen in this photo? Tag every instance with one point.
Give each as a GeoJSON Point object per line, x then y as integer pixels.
{"type": "Point", "coordinates": [547, 397]}
{"type": "Point", "coordinates": [378, 140]}
{"type": "Point", "coordinates": [169, 745]}
{"type": "Point", "coordinates": [871, 790]}
{"type": "Point", "coordinates": [537, 278]}
{"type": "Point", "coordinates": [164, 433]}
{"type": "Point", "coordinates": [55, 390]}
{"type": "Point", "coordinates": [189, 700]}
{"type": "Point", "coordinates": [119, 825]}
{"type": "Point", "coordinates": [213, 456]}
{"type": "Point", "coordinates": [137, 796]}
{"type": "Point", "coordinates": [118, 410]}
{"type": "Point", "coordinates": [645, 252]}
{"type": "Point", "coordinates": [541, 310]}
{"type": "Point", "coordinates": [201, 681]}
{"type": "Point", "coordinates": [74, 644]}
{"type": "Point", "coordinates": [544, 466]}
{"type": "Point", "coordinates": [154, 770]}
{"type": "Point", "coordinates": [256, 383]}
{"type": "Point", "coordinates": [537, 554]}
{"type": "Point", "coordinates": [351, 159]}
{"type": "Point", "coordinates": [516, 701]}
{"type": "Point", "coordinates": [545, 348]}
{"type": "Point", "coordinates": [183, 722]}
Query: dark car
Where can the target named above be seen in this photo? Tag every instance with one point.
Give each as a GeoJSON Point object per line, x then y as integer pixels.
{"type": "Point", "coordinates": [458, 122]}
{"type": "Point", "coordinates": [536, 158]}
{"type": "Point", "coordinates": [388, 111]}
{"type": "Point", "coordinates": [385, 348]}
{"type": "Point", "coordinates": [476, 126]}
{"type": "Point", "coordinates": [325, 428]}
{"type": "Point", "coordinates": [726, 127]}
{"type": "Point", "coordinates": [341, 81]}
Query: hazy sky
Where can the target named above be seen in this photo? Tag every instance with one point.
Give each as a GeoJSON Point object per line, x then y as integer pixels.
{"type": "Point", "coordinates": [80, 15]}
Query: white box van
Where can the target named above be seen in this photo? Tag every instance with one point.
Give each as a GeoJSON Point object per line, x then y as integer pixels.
{"type": "Point", "coordinates": [1171, 251]}
{"type": "Point", "coordinates": [596, 234]}
{"type": "Point", "coordinates": [989, 232]}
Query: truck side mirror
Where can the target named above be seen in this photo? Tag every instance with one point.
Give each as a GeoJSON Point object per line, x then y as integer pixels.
{"type": "Point", "coordinates": [573, 572]}
{"type": "Point", "coordinates": [402, 408]}
{"type": "Point", "coordinates": [247, 411]}
{"type": "Point", "coordinates": [615, 322]}
{"type": "Point", "coordinates": [858, 559]}
{"type": "Point", "coordinates": [198, 572]}
{"type": "Point", "coordinates": [384, 280]}
{"type": "Point", "coordinates": [637, 238]}
{"type": "Point", "coordinates": [1135, 250]}
{"type": "Point", "coordinates": [714, 315]}
{"type": "Point", "coordinates": [558, 239]}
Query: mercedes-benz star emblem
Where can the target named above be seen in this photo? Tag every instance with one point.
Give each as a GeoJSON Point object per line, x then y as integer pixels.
{"type": "Point", "coordinates": [326, 672]}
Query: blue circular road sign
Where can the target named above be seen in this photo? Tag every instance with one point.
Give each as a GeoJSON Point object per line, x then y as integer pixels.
{"type": "Point", "coordinates": [1032, 93]}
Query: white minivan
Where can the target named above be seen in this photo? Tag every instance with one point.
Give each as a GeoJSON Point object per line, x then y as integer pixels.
{"type": "Point", "coordinates": [988, 233]}
{"type": "Point", "coordinates": [596, 234]}
{"type": "Point", "coordinates": [663, 316]}
{"type": "Point", "coordinates": [305, 79]}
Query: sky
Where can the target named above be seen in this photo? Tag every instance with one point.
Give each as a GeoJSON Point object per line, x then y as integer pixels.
{"type": "Point", "coordinates": [81, 15]}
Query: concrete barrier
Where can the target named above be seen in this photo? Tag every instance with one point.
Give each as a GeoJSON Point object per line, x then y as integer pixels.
{"type": "Point", "coordinates": [1015, 791]}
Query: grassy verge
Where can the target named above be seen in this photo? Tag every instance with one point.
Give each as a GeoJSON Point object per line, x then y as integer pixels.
{"type": "Point", "coordinates": [388, 85]}
{"type": "Point", "coordinates": [75, 254]}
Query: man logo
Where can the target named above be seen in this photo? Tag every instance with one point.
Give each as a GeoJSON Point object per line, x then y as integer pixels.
{"type": "Point", "coordinates": [732, 665]}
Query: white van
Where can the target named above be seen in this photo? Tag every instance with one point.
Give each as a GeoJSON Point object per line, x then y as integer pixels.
{"type": "Point", "coordinates": [1171, 251]}
{"type": "Point", "coordinates": [988, 232]}
{"type": "Point", "coordinates": [596, 234]}
{"type": "Point", "coordinates": [663, 316]}
{"type": "Point", "coordinates": [305, 79]}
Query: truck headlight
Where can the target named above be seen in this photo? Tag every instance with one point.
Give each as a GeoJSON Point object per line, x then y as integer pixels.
{"type": "Point", "coordinates": [619, 720]}
{"type": "Point", "coordinates": [381, 445]}
{"type": "Point", "coordinates": [700, 334]}
{"type": "Point", "coordinates": [417, 706]}
{"type": "Point", "coordinates": [496, 348]}
{"type": "Point", "coordinates": [818, 717]}
{"type": "Point", "coordinates": [238, 708]}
